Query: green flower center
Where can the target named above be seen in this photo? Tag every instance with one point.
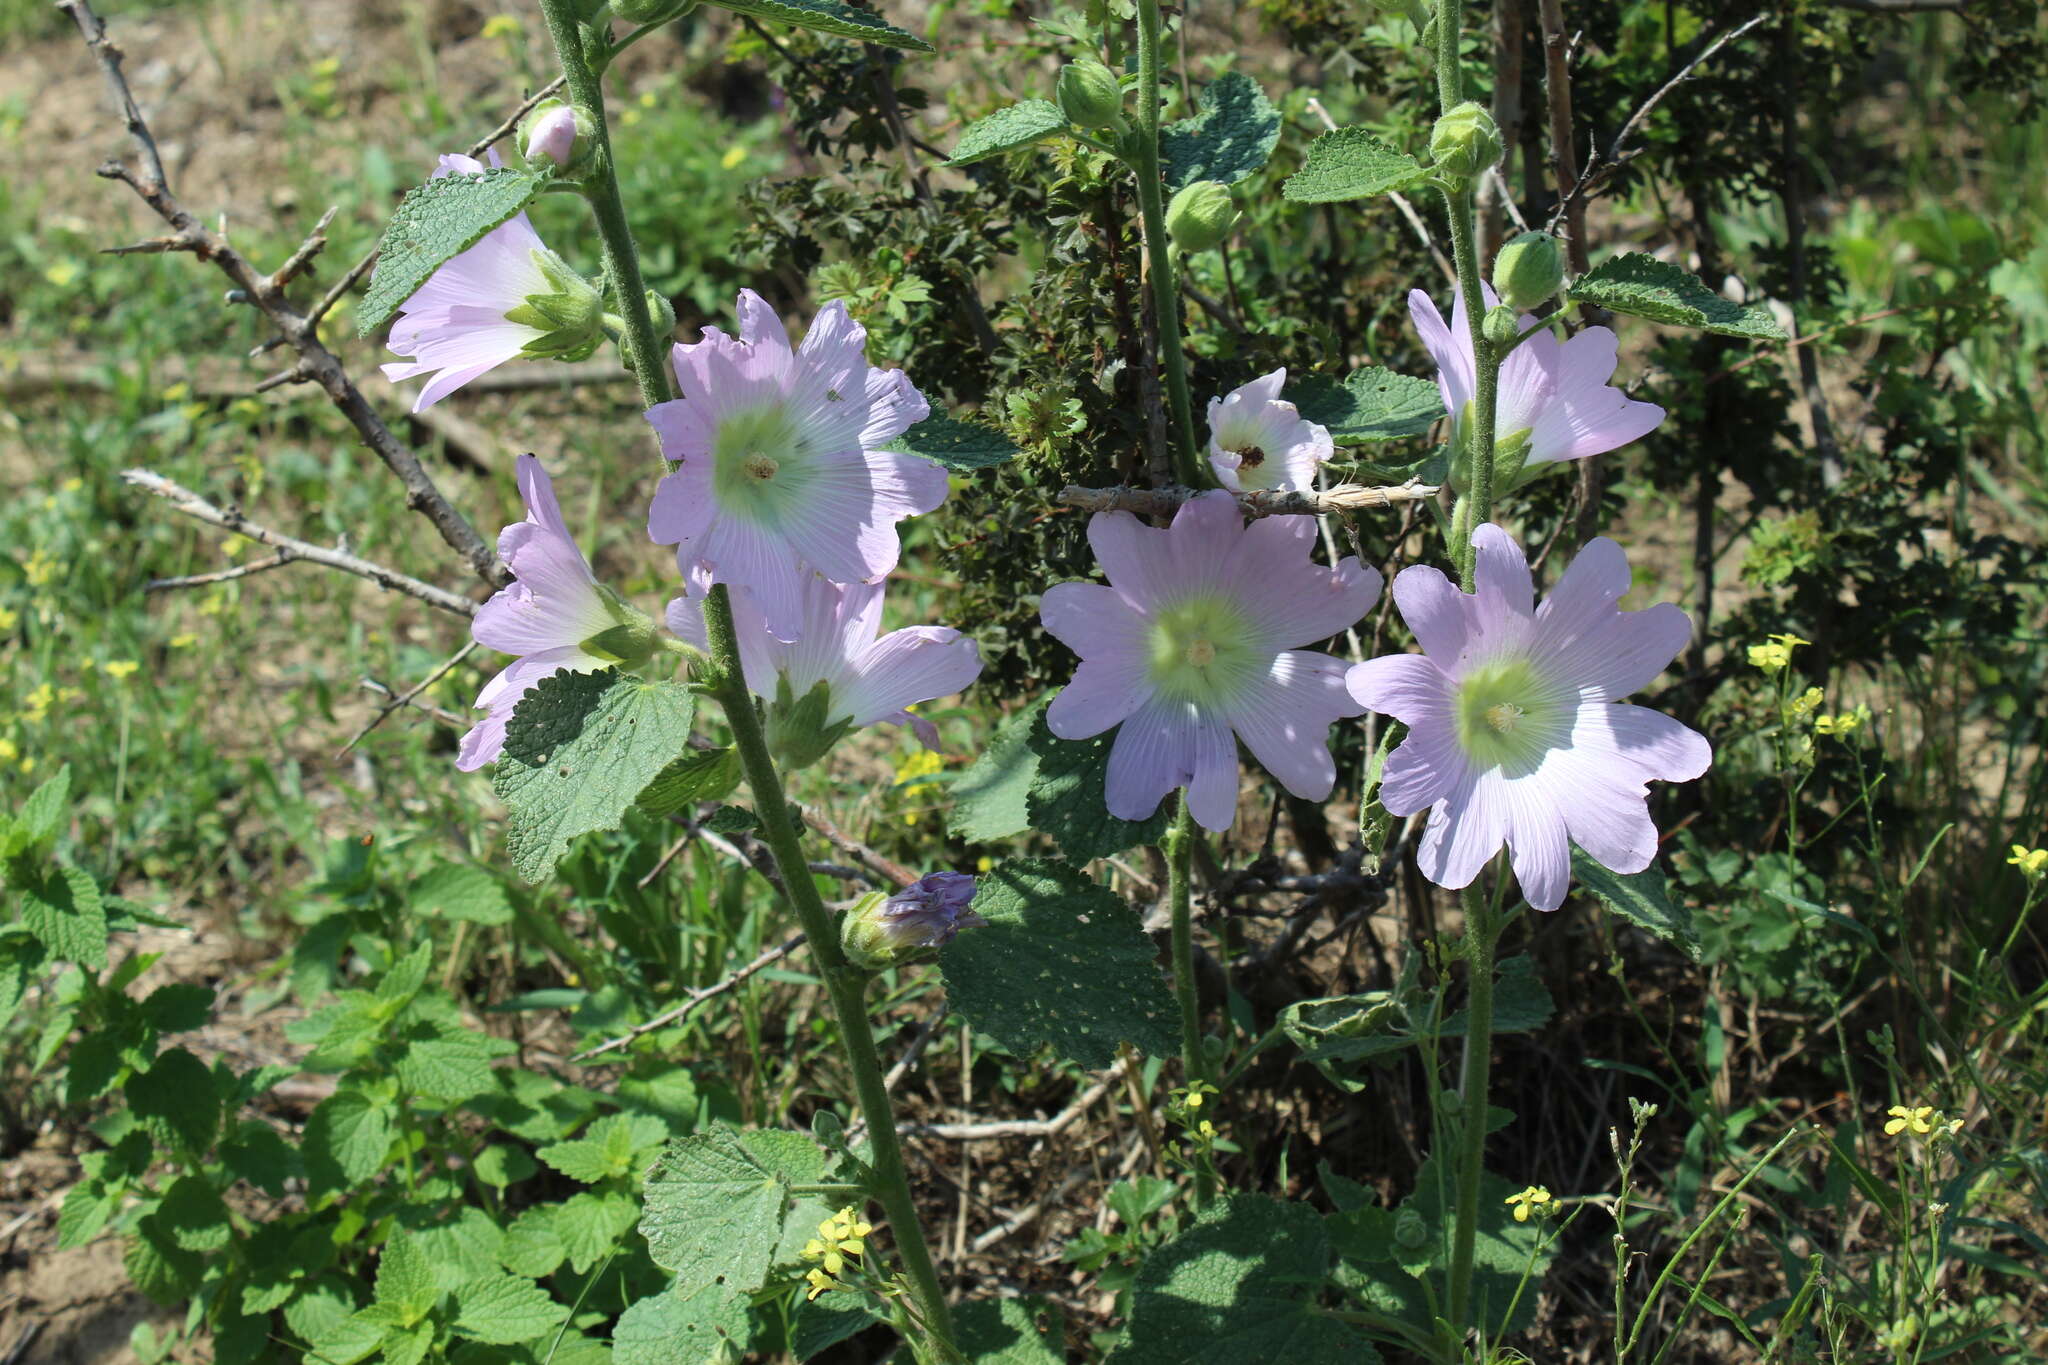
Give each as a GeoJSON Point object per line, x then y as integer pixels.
{"type": "Point", "coordinates": [1199, 652]}
{"type": "Point", "coordinates": [1509, 715]}
{"type": "Point", "coordinates": [760, 460]}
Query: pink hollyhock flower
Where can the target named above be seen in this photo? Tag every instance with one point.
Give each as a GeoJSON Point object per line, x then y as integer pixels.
{"type": "Point", "coordinates": [1555, 392]}
{"type": "Point", "coordinates": [1197, 635]}
{"type": "Point", "coordinates": [507, 296]}
{"type": "Point", "coordinates": [554, 616]}
{"type": "Point", "coordinates": [1257, 439]}
{"type": "Point", "coordinates": [868, 679]}
{"type": "Point", "coordinates": [780, 461]}
{"type": "Point", "coordinates": [1514, 731]}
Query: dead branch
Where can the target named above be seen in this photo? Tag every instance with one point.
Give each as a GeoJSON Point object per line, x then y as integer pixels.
{"type": "Point", "coordinates": [1023, 1128]}
{"type": "Point", "coordinates": [696, 998]}
{"type": "Point", "coordinates": [200, 580]}
{"type": "Point", "coordinates": [406, 698]}
{"type": "Point", "coordinates": [1158, 502]}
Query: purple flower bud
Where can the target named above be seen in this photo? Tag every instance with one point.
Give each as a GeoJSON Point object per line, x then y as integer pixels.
{"type": "Point", "coordinates": [551, 133]}
{"type": "Point", "coordinates": [926, 914]}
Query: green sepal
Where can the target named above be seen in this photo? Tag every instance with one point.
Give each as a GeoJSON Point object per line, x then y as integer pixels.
{"type": "Point", "coordinates": [800, 729]}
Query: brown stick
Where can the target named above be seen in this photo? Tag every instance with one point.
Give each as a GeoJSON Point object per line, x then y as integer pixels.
{"type": "Point", "coordinates": [1156, 502]}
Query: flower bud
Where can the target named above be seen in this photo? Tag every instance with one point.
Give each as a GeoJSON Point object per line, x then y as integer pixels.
{"type": "Point", "coordinates": [553, 136]}
{"type": "Point", "coordinates": [1201, 216]}
{"type": "Point", "coordinates": [630, 641]}
{"type": "Point", "coordinates": [570, 315]}
{"type": "Point", "coordinates": [1528, 271]}
{"type": "Point", "coordinates": [652, 11]}
{"type": "Point", "coordinates": [883, 931]}
{"type": "Point", "coordinates": [1464, 143]}
{"type": "Point", "coordinates": [1499, 326]}
{"type": "Point", "coordinates": [1090, 95]}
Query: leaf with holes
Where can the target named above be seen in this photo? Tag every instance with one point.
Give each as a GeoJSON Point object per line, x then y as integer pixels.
{"type": "Point", "coordinates": [961, 447]}
{"type": "Point", "coordinates": [1018, 125]}
{"type": "Point", "coordinates": [1062, 961]}
{"type": "Point", "coordinates": [716, 1205]}
{"type": "Point", "coordinates": [580, 750]}
{"type": "Point", "coordinates": [1645, 287]}
{"type": "Point", "coordinates": [1641, 898]}
{"type": "Point", "coordinates": [1066, 797]}
{"type": "Point", "coordinates": [435, 223]}
{"type": "Point", "coordinates": [1370, 404]}
{"type": "Point", "coordinates": [1230, 139]}
{"type": "Point", "coordinates": [1350, 163]}
{"type": "Point", "coordinates": [675, 1327]}
{"type": "Point", "coordinates": [828, 16]}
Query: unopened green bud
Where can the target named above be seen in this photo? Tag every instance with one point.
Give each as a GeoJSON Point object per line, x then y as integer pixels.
{"type": "Point", "coordinates": [570, 315]}
{"type": "Point", "coordinates": [1090, 95]}
{"type": "Point", "coordinates": [1409, 1229]}
{"type": "Point", "coordinates": [662, 312]}
{"type": "Point", "coordinates": [1499, 326]}
{"type": "Point", "coordinates": [889, 930]}
{"type": "Point", "coordinates": [652, 11]}
{"type": "Point", "coordinates": [1201, 216]}
{"type": "Point", "coordinates": [1529, 271]}
{"type": "Point", "coordinates": [1464, 143]}
{"type": "Point", "coordinates": [556, 137]}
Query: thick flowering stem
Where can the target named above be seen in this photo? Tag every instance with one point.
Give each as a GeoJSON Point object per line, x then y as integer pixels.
{"type": "Point", "coordinates": [1179, 850]}
{"type": "Point", "coordinates": [844, 983]}
{"type": "Point", "coordinates": [1482, 931]}
{"type": "Point", "coordinates": [1143, 157]}
{"type": "Point", "coordinates": [1475, 508]}
{"type": "Point", "coordinates": [585, 84]}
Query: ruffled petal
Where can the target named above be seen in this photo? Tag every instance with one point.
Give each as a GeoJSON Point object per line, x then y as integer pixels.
{"type": "Point", "coordinates": [1624, 653]}
{"type": "Point", "coordinates": [1538, 846]}
{"type": "Point", "coordinates": [683, 507]}
{"type": "Point", "coordinates": [1425, 768]}
{"type": "Point", "coordinates": [918, 663]}
{"type": "Point", "coordinates": [1105, 691]}
{"type": "Point", "coordinates": [1291, 600]}
{"type": "Point", "coordinates": [1286, 721]}
{"type": "Point", "coordinates": [1409, 687]}
{"type": "Point", "coordinates": [1212, 792]}
{"type": "Point", "coordinates": [1465, 829]}
{"type": "Point", "coordinates": [1153, 754]}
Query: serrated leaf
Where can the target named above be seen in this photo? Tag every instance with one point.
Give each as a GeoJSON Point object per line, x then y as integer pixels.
{"type": "Point", "coordinates": [323, 1317]}
{"type": "Point", "coordinates": [1350, 163]}
{"type": "Point", "coordinates": [1242, 1281]}
{"type": "Point", "coordinates": [504, 1310]}
{"type": "Point", "coordinates": [405, 1280]}
{"type": "Point", "coordinates": [258, 1155]}
{"type": "Point", "coordinates": [179, 1007]}
{"type": "Point", "coordinates": [502, 1164]}
{"type": "Point", "coordinates": [1645, 287]}
{"type": "Point", "coordinates": [194, 1216]}
{"type": "Point", "coordinates": [591, 1226]}
{"type": "Point", "coordinates": [962, 447]}
{"type": "Point", "coordinates": [1230, 139]}
{"type": "Point", "coordinates": [1641, 898]}
{"type": "Point", "coordinates": [1007, 129]}
{"type": "Point", "coordinates": [1370, 404]}
{"type": "Point", "coordinates": [989, 797]}
{"type": "Point", "coordinates": [829, 16]}
{"type": "Point", "coordinates": [61, 907]}
{"type": "Point", "coordinates": [715, 1206]}
{"type": "Point", "coordinates": [42, 815]}
{"type": "Point", "coordinates": [465, 1247]}
{"type": "Point", "coordinates": [824, 1322]}
{"type": "Point", "coordinates": [579, 750]}
{"type": "Point", "coordinates": [449, 1063]}
{"type": "Point", "coordinates": [346, 1140]}
{"type": "Point", "coordinates": [700, 775]}
{"type": "Point", "coordinates": [433, 224]}
{"type": "Point", "coordinates": [177, 1099]}
{"type": "Point", "coordinates": [21, 961]}
{"type": "Point", "coordinates": [341, 1032]}
{"type": "Point", "coordinates": [87, 1207]}
{"type": "Point", "coordinates": [1026, 1331]}
{"type": "Point", "coordinates": [1066, 797]}
{"type": "Point", "coordinates": [1062, 961]}
{"type": "Point", "coordinates": [675, 1328]}
{"type": "Point", "coordinates": [532, 1246]}
{"type": "Point", "coordinates": [158, 1266]}
{"type": "Point", "coordinates": [458, 891]}
{"type": "Point", "coordinates": [731, 820]}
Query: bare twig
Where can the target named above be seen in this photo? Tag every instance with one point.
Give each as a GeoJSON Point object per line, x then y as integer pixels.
{"type": "Point", "coordinates": [440, 713]}
{"type": "Point", "coordinates": [853, 848]}
{"type": "Point", "coordinates": [1443, 262]}
{"type": "Point", "coordinates": [229, 519]}
{"type": "Point", "coordinates": [1150, 502]}
{"type": "Point", "coordinates": [1024, 1128]}
{"type": "Point", "coordinates": [200, 580]}
{"type": "Point", "coordinates": [405, 698]}
{"type": "Point", "coordinates": [696, 998]}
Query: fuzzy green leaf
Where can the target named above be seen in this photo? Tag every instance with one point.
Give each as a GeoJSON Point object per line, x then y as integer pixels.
{"type": "Point", "coordinates": [434, 223]}
{"type": "Point", "coordinates": [717, 1201]}
{"type": "Point", "coordinates": [405, 1280]}
{"type": "Point", "coordinates": [678, 1328]}
{"type": "Point", "coordinates": [194, 1216]}
{"type": "Point", "coordinates": [961, 447]}
{"type": "Point", "coordinates": [1007, 129]}
{"type": "Point", "coordinates": [700, 775]}
{"type": "Point", "coordinates": [21, 961]}
{"type": "Point", "coordinates": [989, 799]}
{"type": "Point", "coordinates": [1230, 139]}
{"type": "Point", "coordinates": [1062, 961]}
{"type": "Point", "coordinates": [579, 751]}
{"type": "Point", "coordinates": [1027, 1331]}
{"type": "Point", "coordinates": [1371, 404]}
{"type": "Point", "coordinates": [158, 1266]}
{"type": "Point", "coordinates": [1066, 798]}
{"type": "Point", "coordinates": [824, 1322]}
{"type": "Point", "coordinates": [449, 1063]}
{"type": "Point", "coordinates": [42, 815]}
{"type": "Point", "coordinates": [61, 906]}
{"type": "Point", "coordinates": [1641, 898]}
{"type": "Point", "coordinates": [504, 1310]}
{"type": "Point", "coordinates": [1645, 287]}
{"type": "Point", "coordinates": [828, 16]}
{"type": "Point", "coordinates": [592, 1224]}
{"type": "Point", "coordinates": [533, 1245]}
{"type": "Point", "coordinates": [459, 891]}
{"type": "Point", "coordinates": [1350, 163]}
{"type": "Point", "coordinates": [346, 1140]}
{"type": "Point", "coordinates": [177, 1099]}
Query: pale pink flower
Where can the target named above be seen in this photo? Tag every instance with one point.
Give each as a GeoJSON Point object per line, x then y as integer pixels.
{"type": "Point", "coordinates": [1515, 733]}
{"type": "Point", "coordinates": [1196, 637]}
{"type": "Point", "coordinates": [871, 677]}
{"type": "Point", "coordinates": [780, 461]}
{"type": "Point", "coordinates": [555, 616]}
{"type": "Point", "coordinates": [1259, 440]}
{"type": "Point", "coordinates": [1555, 391]}
{"type": "Point", "coordinates": [551, 133]}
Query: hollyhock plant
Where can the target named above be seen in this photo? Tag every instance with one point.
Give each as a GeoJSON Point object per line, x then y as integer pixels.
{"type": "Point", "coordinates": [1516, 732]}
{"type": "Point", "coordinates": [868, 678]}
{"type": "Point", "coordinates": [1259, 440]}
{"type": "Point", "coordinates": [1553, 393]}
{"type": "Point", "coordinates": [506, 297]}
{"type": "Point", "coordinates": [779, 461]}
{"type": "Point", "coordinates": [929, 913]}
{"type": "Point", "coordinates": [1197, 635]}
{"type": "Point", "coordinates": [554, 616]}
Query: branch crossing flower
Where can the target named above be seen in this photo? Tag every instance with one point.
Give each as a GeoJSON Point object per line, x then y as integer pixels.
{"type": "Point", "coordinates": [1259, 440]}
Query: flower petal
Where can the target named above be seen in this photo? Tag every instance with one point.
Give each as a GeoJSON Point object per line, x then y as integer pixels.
{"type": "Point", "coordinates": [1437, 613]}
{"type": "Point", "coordinates": [1538, 846]}
{"type": "Point", "coordinates": [1465, 829]}
{"type": "Point", "coordinates": [918, 663]}
{"type": "Point", "coordinates": [1292, 600]}
{"type": "Point", "coordinates": [1409, 687]}
{"type": "Point", "coordinates": [1286, 721]}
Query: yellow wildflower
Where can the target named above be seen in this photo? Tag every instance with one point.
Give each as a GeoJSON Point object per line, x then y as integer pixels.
{"type": "Point", "coordinates": [36, 705]}
{"type": "Point", "coordinates": [2032, 862]}
{"type": "Point", "coordinates": [1807, 701]}
{"type": "Point", "coordinates": [1918, 1121]}
{"type": "Point", "coordinates": [734, 155]}
{"type": "Point", "coordinates": [1534, 1199]}
{"type": "Point", "coordinates": [39, 570]}
{"type": "Point", "coordinates": [9, 751]}
{"type": "Point", "coordinates": [8, 620]}
{"type": "Point", "coordinates": [184, 641]}
{"type": "Point", "coordinates": [61, 273]}
{"type": "Point", "coordinates": [72, 484]}
{"type": "Point", "coordinates": [117, 669]}
{"type": "Point", "coordinates": [501, 26]}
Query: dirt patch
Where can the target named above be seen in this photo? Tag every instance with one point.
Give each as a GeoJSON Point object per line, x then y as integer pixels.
{"type": "Point", "coordinates": [70, 1307]}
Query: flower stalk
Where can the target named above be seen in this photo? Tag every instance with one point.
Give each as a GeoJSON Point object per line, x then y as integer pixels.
{"type": "Point", "coordinates": [1179, 850]}
{"type": "Point", "coordinates": [1482, 933]}
{"type": "Point", "coordinates": [1143, 157]}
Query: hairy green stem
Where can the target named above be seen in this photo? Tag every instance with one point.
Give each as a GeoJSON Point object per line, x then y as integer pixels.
{"type": "Point", "coordinates": [1482, 930]}
{"type": "Point", "coordinates": [844, 983]}
{"type": "Point", "coordinates": [1179, 850]}
{"type": "Point", "coordinates": [1479, 421]}
{"type": "Point", "coordinates": [1144, 160]}
{"type": "Point", "coordinates": [601, 187]}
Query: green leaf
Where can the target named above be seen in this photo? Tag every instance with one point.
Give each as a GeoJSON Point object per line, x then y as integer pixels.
{"type": "Point", "coordinates": [405, 1345]}
{"type": "Point", "coordinates": [179, 1007]}
{"type": "Point", "coordinates": [731, 820]}
{"type": "Point", "coordinates": [1502, 1252]}
{"type": "Point", "coordinates": [1641, 898]}
{"type": "Point", "coordinates": [1242, 1281]}
{"type": "Point", "coordinates": [347, 1138]}
{"type": "Point", "coordinates": [42, 815]}
{"type": "Point", "coordinates": [453, 1064]}
{"type": "Point", "coordinates": [341, 1032]}
{"type": "Point", "coordinates": [1005, 130]}
{"type": "Point", "coordinates": [1645, 287]}
{"type": "Point", "coordinates": [962, 447]}
{"type": "Point", "coordinates": [467, 1246]}
{"type": "Point", "coordinates": [405, 1280]}
{"type": "Point", "coordinates": [93, 1066]}
{"type": "Point", "coordinates": [1350, 163]}
{"type": "Point", "coordinates": [505, 1310]}
{"type": "Point", "coordinates": [579, 750]}
{"type": "Point", "coordinates": [1371, 404]}
{"type": "Point", "coordinates": [159, 1267]}
{"type": "Point", "coordinates": [829, 1319]}
{"type": "Point", "coordinates": [828, 16]}
{"type": "Point", "coordinates": [1066, 798]}
{"type": "Point", "coordinates": [61, 906]}
{"type": "Point", "coordinates": [21, 961]}
{"type": "Point", "coordinates": [87, 1207]}
{"type": "Point", "coordinates": [323, 1316]}
{"type": "Point", "coordinates": [434, 223]}
{"type": "Point", "coordinates": [1062, 961]}
{"type": "Point", "coordinates": [1026, 1331]}
{"type": "Point", "coordinates": [1230, 139]}
{"type": "Point", "coordinates": [533, 1246]}
{"type": "Point", "coordinates": [405, 978]}
{"type": "Point", "coordinates": [1339, 1032]}
{"type": "Point", "coordinates": [193, 1215]}
{"type": "Point", "coordinates": [502, 1164]}
{"type": "Point", "coordinates": [989, 797]}
{"type": "Point", "coordinates": [258, 1155]}
{"type": "Point", "coordinates": [700, 775]}
{"type": "Point", "coordinates": [591, 1225]}
{"type": "Point", "coordinates": [674, 1328]}
{"type": "Point", "coordinates": [177, 1100]}
{"type": "Point", "coordinates": [716, 1205]}
{"type": "Point", "coordinates": [459, 891]}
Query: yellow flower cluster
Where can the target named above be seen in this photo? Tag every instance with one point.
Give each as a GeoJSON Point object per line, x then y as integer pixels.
{"type": "Point", "coordinates": [1924, 1121]}
{"type": "Point", "coordinates": [839, 1237]}
{"type": "Point", "coordinates": [1533, 1201]}
{"type": "Point", "coordinates": [1777, 653]}
{"type": "Point", "coordinates": [2032, 862]}
{"type": "Point", "coordinates": [1842, 722]}
{"type": "Point", "coordinates": [1807, 702]}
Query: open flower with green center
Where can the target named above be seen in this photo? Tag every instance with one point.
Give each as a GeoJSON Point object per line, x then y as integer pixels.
{"type": "Point", "coordinates": [554, 616]}
{"type": "Point", "coordinates": [780, 462]}
{"type": "Point", "coordinates": [1257, 439]}
{"type": "Point", "coordinates": [1197, 636]}
{"type": "Point", "coordinates": [1515, 731]}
